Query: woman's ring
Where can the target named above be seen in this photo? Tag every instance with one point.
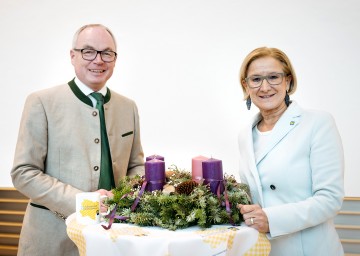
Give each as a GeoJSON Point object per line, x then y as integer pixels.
{"type": "Point", "coordinates": [252, 221]}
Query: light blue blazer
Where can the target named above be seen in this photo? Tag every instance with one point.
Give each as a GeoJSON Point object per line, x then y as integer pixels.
{"type": "Point", "coordinates": [298, 180]}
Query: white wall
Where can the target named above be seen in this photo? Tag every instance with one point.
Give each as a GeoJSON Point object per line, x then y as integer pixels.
{"type": "Point", "coordinates": [179, 60]}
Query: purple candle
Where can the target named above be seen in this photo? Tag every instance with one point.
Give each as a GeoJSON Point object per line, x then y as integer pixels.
{"type": "Point", "coordinates": [148, 158]}
{"type": "Point", "coordinates": [155, 174]}
{"type": "Point", "coordinates": [213, 174]}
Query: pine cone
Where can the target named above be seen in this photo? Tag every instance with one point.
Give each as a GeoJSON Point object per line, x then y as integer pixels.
{"type": "Point", "coordinates": [186, 187]}
{"type": "Point", "coordinates": [137, 183]}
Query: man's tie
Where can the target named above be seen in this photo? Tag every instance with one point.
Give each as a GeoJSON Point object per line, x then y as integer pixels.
{"type": "Point", "coordinates": [106, 174]}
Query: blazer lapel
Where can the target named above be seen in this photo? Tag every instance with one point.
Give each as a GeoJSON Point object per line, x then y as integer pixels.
{"type": "Point", "coordinates": [288, 121]}
{"type": "Point", "coordinates": [248, 151]}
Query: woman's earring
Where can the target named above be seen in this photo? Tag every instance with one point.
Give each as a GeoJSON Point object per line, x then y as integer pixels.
{"type": "Point", "coordinates": [248, 103]}
{"type": "Point", "coordinates": [287, 99]}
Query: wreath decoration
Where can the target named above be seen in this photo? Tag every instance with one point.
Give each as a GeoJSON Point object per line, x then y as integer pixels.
{"type": "Point", "coordinates": [182, 202]}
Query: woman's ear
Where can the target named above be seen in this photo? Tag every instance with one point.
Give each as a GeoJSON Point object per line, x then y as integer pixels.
{"type": "Point", "coordinates": [288, 82]}
{"type": "Point", "coordinates": [244, 85]}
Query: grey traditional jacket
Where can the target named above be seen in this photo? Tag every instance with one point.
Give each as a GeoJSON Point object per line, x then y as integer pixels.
{"type": "Point", "coordinates": [58, 155]}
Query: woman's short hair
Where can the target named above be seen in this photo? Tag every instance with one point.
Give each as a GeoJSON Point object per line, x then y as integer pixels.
{"type": "Point", "coordinates": [268, 52]}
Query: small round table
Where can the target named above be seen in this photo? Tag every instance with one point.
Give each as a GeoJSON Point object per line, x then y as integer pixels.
{"type": "Point", "coordinates": [133, 240]}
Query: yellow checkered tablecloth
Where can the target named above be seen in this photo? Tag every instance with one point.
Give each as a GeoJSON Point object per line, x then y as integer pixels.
{"type": "Point", "coordinates": [132, 240]}
{"type": "Point", "coordinates": [261, 248]}
{"type": "Point", "coordinates": [114, 234]}
{"type": "Point", "coordinates": [215, 237]}
{"type": "Point", "coordinates": [75, 232]}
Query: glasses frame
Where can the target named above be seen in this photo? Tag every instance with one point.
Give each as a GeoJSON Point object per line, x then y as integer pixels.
{"type": "Point", "coordinates": [97, 52]}
{"type": "Point", "coordinates": [265, 77]}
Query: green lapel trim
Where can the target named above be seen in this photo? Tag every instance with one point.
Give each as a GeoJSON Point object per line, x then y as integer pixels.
{"type": "Point", "coordinates": [81, 96]}
{"type": "Point", "coordinates": [107, 96]}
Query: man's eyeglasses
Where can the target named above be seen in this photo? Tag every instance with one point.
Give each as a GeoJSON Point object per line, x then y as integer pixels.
{"type": "Point", "coordinates": [272, 78]}
{"type": "Point", "coordinates": [91, 54]}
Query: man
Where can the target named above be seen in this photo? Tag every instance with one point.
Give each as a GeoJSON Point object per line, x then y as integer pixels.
{"type": "Point", "coordinates": [61, 151]}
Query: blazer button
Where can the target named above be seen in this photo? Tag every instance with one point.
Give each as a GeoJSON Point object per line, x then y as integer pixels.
{"type": "Point", "coordinates": [272, 187]}
{"type": "Point", "coordinates": [97, 140]}
{"type": "Point", "coordinates": [96, 168]}
{"type": "Point", "coordinates": [94, 113]}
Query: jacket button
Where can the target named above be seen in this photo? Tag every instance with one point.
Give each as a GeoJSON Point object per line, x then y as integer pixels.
{"type": "Point", "coordinates": [272, 187]}
{"type": "Point", "coordinates": [94, 113]}
{"type": "Point", "coordinates": [97, 140]}
{"type": "Point", "coordinates": [96, 168]}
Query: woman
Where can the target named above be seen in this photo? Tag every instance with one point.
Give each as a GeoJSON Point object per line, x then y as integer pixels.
{"type": "Point", "coordinates": [292, 159]}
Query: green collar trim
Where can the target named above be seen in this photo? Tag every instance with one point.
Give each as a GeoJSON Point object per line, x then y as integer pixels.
{"type": "Point", "coordinates": [107, 96]}
{"type": "Point", "coordinates": [81, 96]}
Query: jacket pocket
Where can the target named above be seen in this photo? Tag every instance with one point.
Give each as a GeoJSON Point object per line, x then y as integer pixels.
{"type": "Point", "coordinates": [127, 134]}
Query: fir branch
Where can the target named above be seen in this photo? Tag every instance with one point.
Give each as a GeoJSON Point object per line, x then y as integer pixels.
{"type": "Point", "coordinates": [174, 211]}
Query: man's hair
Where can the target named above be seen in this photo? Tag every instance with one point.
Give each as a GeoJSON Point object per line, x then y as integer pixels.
{"type": "Point", "coordinates": [76, 35]}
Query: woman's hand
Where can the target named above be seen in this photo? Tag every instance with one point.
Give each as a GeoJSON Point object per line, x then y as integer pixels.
{"type": "Point", "coordinates": [255, 217]}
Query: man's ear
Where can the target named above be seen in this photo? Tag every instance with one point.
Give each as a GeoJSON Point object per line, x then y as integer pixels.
{"type": "Point", "coordinates": [72, 56]}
